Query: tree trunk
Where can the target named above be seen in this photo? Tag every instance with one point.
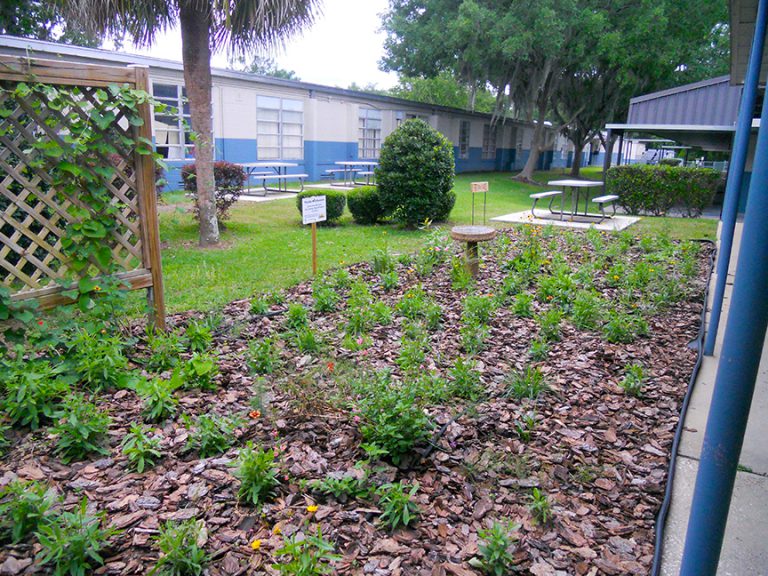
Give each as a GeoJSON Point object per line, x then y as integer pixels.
{"type": "Point", "coordinates": [578, 149]}
{"type": "Point", "coordinates": [196, 53]}
{"type": "Point", "coordinates": [538, 139]}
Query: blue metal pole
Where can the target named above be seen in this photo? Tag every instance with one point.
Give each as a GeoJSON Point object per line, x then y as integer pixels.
{"type": "Point", "coordinates": [735, 382]}
{"type": "Point", "coordinates": [736, 173]}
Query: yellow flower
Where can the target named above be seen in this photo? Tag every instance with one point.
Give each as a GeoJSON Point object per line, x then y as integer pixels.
{"type": "Point", "coordinates": [312, 509]}
{"type": "Point", "coordinates": [256, 544]}
{"type": "Point", "coordinates": [97, 288]}
{"type": "Point", "coordinates": [615, 277]}
{"type": "Point", "coordinates": [277, 529]}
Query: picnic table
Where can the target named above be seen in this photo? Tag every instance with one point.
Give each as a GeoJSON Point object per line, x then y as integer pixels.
{"type": "Point", "coordinates": [351, 170]}
{"type": "Point", "coordinates": [575, 187]}
{"type": "Point", "coordinates": [272, 171]}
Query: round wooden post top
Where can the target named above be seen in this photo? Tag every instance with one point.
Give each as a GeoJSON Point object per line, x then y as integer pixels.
{"type": "Point", "coordinates": [473, 233]}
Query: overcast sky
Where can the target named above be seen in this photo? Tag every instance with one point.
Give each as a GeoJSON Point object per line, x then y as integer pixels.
{"type": "Point", "coordinates": [343, 46]}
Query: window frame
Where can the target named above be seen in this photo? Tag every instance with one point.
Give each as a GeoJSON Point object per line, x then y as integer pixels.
{"type": "Point", "coordinates": [490, 141]}
{"type": "Point", "coordinates": [285, 109]}
{"type": "Point", "coordinates": [369, 136]}
{"type": "Point", "coordinates": [465, 128]}
{"type": "Point", "coordinates": [179, 105]}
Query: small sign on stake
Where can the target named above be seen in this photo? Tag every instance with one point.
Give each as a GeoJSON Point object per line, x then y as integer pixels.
{"type": "Point", "coordinates": [313, 210]}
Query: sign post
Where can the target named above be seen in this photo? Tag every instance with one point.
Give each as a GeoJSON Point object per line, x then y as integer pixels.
{"type": "Point", "coordinates": [313, 211]}
{"type": "Point", "coordinates": [476, 188]}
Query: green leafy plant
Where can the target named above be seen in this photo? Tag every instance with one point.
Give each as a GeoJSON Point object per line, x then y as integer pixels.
{"type": "Point", "coordinates": [465, 380]}
{"type": "Point", "coordinates": [538, 350]}
{"type": "Point", "coordinates": [98, 360]}
{"type": "Point", "coordinates": [257, 471]}
{"type": "Point", "coordinates": [199, 372]}
{"type": "Point", "coordinates": [522, 305]}
{"type": "Point", "coordinates": [397, 505]}
{"type": "Point", "coordinates": [391, 417]}
{"type": "Point", "coordinates": [164, 349]}
{"type": "Point", "coordinates": [381, 313]}
{"type": "Point", "coordinates": [81, 429]}
{"type": "Point", "coordinates": [412, 354]}
{"type": "Point", "coordinates": [359, 320]}
{"type": "Point", "coordinates": [549, 325]}
{"type": "Point", "coordinates": [180, 551]}
{"type": "Point", "coordinates": [260, 306]}
{"type": "Point", "coordinates": [621, 328]}
{"type": "Point", "coordinates": [34, 390]}
{"type": "Point", "coordinates": [540, 508]}
{"type": "Point", "coordinates": [634, 380]}
{"type": "Point", "coordinates": [73, 542]}
{"type": "Point", "coordinates": [140, 448]}
{"type": "Point", "coordinates": [525, 426]}
{"type": "Point", "coordinates": [211, 435]}
{"type": "Point", "coordinates": [198, 336]}
{"type": "Point", "coordinates": [390, 281]}
{"type": "Point", "coordinates": [326, 297]}
{"type": "Point", "coordinates": [382, 261]}
{"type": "Point", "coordinates": [296, 317]}
{"type": "Point", "coordinates": [158, 397]}
{"type": "Point", "coordinates": [587, 310]}
{"type": "Point", "coordinates": [529, 383]}
{"type": "Point", "coordinates": [342, 486]}
{"type": "Point", "coordinates": [495, 548]}
{"type": "Point", "coordinates": [305, 340]}
{"type": "Point", "coordinates": [415, 174]}
{"type": "Point", "coordinates": [24, 507]}
{"type": "Point", "coordinates": [229, 179]}
{"type": "Point", "coordinates": [308, 555]}
{"type": "Point", "coordinates": [473, 337]}
{"type": "Point", "coordinates": [413, 303]}
{"type": "Point", "coordinates": [478, 309]}
{"type": "Point", "coordinates": [461, 278]}
{"type": "Point", "coordinates": [263, 356]}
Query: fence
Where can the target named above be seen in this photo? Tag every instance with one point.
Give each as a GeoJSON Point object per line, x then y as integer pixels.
{"type": "Point", "coordinates": [38, 214]}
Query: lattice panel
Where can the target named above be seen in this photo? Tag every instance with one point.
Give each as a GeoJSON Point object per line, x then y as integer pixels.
{"type": "Point", "coordinates": [33, 213]}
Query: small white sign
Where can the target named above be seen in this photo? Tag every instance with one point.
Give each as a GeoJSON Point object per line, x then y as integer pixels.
{"type": "Point", "coordinates": [313, 209]}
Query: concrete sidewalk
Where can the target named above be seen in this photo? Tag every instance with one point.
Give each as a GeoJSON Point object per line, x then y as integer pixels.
{"type": "Point", "coordinates": [745, 548]}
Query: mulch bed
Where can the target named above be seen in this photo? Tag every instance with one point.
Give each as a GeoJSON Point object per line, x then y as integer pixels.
{"type": "Point", "coordinates": [600, 455]}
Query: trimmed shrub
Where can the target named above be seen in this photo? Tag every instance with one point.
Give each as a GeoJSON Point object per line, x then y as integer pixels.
{"type": "Point", "coordinates": [335, 200]}
{"type": "Point", "coordinates": [365, 205]}
{"type": "Point", "coordinates": [644, 189]}
{"type": "Point", "coordinates": [230, 180]}
{"type": "Point", "coordinates": [415, 174]}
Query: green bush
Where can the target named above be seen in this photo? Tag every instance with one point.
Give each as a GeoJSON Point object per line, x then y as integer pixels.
{"type": "Point", "coordinates": [365, 205]}
{"type": "Point", "coordinates": [415, 174]}
{"type": "Point", "coordinates": [230, 180]}
{"type": "Point", "coordinates": [335, 200]}
{"type": "Point", "coordinates": [656, 189]}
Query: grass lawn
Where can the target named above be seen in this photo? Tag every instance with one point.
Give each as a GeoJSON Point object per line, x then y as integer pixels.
{"type": "Point", "coordinates": [265, 246]}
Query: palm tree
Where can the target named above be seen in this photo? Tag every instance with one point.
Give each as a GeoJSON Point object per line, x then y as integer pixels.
{"type": "Point", "coordinates": [206, 26]}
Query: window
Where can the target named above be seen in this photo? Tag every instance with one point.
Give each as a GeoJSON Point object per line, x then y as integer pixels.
{"type": "Point", "coordinates": [369, 133]}
{"type": "Point", "coordinates": [172, 132]}
{"type": "Point", "coordinates": [464, 139]}
{"type": "Point", "coordinates": [280, 129]}
{"type": "Point", "coordinates": [489, 142]}
{"type": "Point", "coordinates": [401, 117]}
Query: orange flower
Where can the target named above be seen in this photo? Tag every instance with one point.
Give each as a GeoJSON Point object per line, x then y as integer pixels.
{"type": "Point", "coordinates": [330, 366]}
{"type": "Point", "coordinates": [254, 414]}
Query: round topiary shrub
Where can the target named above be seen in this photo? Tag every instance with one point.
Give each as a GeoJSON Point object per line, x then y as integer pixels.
{"type": "Point", "coordinates": [415, 174]}
{"type": "Point", "coordinates": [334, 203]}
{"type": "Point", "coordinates": [365, 204]}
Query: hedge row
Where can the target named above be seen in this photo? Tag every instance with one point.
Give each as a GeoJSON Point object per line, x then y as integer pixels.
{"type": "Point", "coordinates": [644, 189]}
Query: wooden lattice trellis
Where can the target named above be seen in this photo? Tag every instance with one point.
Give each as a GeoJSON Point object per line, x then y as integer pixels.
{"type": "Point", "coordinates": [34, 214]}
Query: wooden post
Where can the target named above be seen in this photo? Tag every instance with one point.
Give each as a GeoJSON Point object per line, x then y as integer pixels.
{"type": "Point", "coordinates": [145, 182]}
{"type": "Point", "coordinates": [314, 249]}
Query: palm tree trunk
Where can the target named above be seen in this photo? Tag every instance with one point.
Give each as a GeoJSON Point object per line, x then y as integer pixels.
{"type": "Point", "coordinates": [196, 53]}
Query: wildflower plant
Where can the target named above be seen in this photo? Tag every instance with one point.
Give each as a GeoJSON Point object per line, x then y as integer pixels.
{"type": "Point", "coordinates": [73, 542]}
{"type": "Point", "coordinates": [199, 372]}
{"type": "Point", "coordinates": [158, 397]}
{"type": "Point", "coordinates": [180, 552]}
{"type": "Point", "coordinates": [495, 548]}
{"type": "Point", "coordinates": [211, 434]}
{"type": "Point", "coordinates": [263, 356]}
{"type": "Point", "coordinates": [257, 470]}
{"type": "Point", "coordinates": [397, 505]}
{"type": "Point", "coordinates": [81, 430]}
{"type": "Point", "coordinates": [634, 380]}
{"type": "Point", "coordinates": [24, 507]}
{"type": "Point", "coordinates": [141, 449]}
{"type": "Point", "coordinates": [540, 508]}
{"type": "Point", "coordinates": [198, 336]}
{"type": "Point", "coordinates": [530, 383]}
{"type": "Point", "coordinates": [34, 390]}
{"type": "Point", "coordinates": [297, 317]}
{"type": "Point", "coordinates": [308, 555]}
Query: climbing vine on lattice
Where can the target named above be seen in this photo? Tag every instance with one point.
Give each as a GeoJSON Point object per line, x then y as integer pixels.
{"type": "Point", "coordinates": [69, 202]}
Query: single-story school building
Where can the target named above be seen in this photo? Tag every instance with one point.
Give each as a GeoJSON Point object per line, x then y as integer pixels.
{"type": "Point", "coordinates": [257, 118]}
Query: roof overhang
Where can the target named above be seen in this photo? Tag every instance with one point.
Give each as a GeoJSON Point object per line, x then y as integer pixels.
{"type": "Point", "coordinates": [715, 138]}
{"type": "Point", "coordinates": [743, 16]}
